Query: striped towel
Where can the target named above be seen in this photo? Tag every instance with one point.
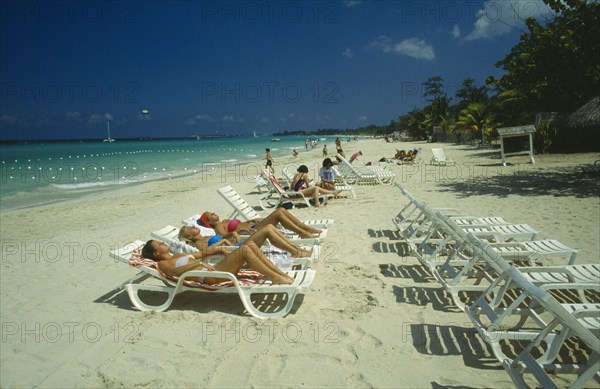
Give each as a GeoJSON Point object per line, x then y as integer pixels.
{"type": "Point", "coordinates": [245, 277]}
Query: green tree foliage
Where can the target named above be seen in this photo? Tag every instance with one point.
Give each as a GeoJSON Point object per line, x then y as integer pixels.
{"type": "Point", "coordinates": [556, 67]}
{"type": "Point", "coordinates": [477, 117]}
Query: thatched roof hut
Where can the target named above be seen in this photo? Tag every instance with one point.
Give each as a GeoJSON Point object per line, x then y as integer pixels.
{"type": "Point", "coordinates": [588, 116]}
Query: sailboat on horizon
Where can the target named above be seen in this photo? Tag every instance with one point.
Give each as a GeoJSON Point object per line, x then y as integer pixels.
{"type": "Point", "coordinates": [109, 139]}
{"type": "Point", "coordinates": [254, 134]}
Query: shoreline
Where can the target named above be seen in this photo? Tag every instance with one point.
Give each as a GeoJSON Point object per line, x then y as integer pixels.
{"type": "Point", "coordinates": [84, 190]}
{"type": "Point", "coordinates": [369, 298]}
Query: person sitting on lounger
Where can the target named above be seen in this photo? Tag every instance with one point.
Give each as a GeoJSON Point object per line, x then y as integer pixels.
{"type": "Point", "coordinates": [301, 183]}
{"type": "Point", "coordinates": [211, 243]}
{"type": "Point", "coordinates": [279, 216]}
{"type": "Point", "coordinates": [327, 174]}
{"type": "Point", "coordinates": [177, 264]}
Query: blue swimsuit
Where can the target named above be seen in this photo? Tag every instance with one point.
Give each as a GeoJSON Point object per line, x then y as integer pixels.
{"type": "Point", "coordinates": [216, 238]}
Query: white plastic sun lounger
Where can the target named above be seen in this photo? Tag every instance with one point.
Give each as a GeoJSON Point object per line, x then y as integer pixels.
{"type": "Point", "coordinates": [279, 195]}
{"type": "Point", "coordinates": [169, 234]}
{"type": "Point", "coordinates": [243, 210]}
{"type": "Point", "coordinates": [340, 183]}
{"type": "Point", "coordinates": [542, 320]}
{"type": "Point", "coordinates": [295, 238]}
{"type": "Point", "coordinates": [173, 286]}
{"type": "Point", "coordinates": [439, 158]}
{"type": "Point", "coordinates": [473, 265]}
{"type": "Point", "coordinates": [364, 174]}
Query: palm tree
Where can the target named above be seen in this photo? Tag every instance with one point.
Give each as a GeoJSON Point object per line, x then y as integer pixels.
{"type": "Point", "coordinates": [478, 116]}
{"type": "Point", "coordinates": [418, 122]}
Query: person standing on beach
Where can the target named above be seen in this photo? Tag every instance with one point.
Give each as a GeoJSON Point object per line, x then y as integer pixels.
{"type": "Point", "coordinates": [269, 159]}
{"type": "Point", "coordinates": [324, 150]}
{"type": "Point", "coordinates": [338, 147]}
{"type": "Point", "coordinates": [295, 153]}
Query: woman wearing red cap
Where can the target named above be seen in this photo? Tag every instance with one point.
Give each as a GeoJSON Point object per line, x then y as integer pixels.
{"type": "Point", "coordinates": [279, 216]}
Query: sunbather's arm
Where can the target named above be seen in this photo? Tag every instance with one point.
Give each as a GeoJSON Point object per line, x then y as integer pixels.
{"type": "Point", "coordinates": [215, 249]}
{"type": "Point", "coordinates": [234, 237]}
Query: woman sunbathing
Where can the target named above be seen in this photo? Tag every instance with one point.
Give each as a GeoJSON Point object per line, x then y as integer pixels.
{"type": "Point", "coordinates": [205, 243]}
{"type": "Point", "coordinates": [402, 156]}
{"type": "Point", "coordinates": [301, 183]}
{"type": "Point", "coordinates": [279, 216]}
{"type": "Point", "coordinates": [177, 264]}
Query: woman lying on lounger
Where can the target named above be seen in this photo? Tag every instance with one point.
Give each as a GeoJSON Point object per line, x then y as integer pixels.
{"type": "Point", "coordinates": [177, 264]}
{"type": "Point", "coordinates": [402, 156]}
{"type": "Point", "coordinates": [279, 216]}
{"type": "Point", "coordinates": [210, 243]}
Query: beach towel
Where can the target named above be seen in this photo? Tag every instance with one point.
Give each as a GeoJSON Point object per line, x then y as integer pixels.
{"type": "Point", "coordinates": [245, 277]}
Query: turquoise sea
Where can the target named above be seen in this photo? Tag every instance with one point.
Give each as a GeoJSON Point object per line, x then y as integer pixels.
{"type": "Point", "coordinates": [38, 173]}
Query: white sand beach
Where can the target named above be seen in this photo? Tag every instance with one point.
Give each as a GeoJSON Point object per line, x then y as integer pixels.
{"type": "Point", "coordinates": [373, 317]}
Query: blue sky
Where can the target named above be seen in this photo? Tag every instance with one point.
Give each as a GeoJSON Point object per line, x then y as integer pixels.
{"type": "Point", "coordinates": [232, 67]}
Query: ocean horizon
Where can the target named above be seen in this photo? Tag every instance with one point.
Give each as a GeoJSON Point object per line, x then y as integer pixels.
{"type": "Point", "coordinates": [41, 172]}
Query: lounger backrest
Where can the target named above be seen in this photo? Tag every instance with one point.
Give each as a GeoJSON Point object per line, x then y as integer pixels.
{"type": "Point", "coordinates": [438, 154]}
{"type": "Point", "coordinates": [242, 208]}
{"type": "Point", "coordinates": [274, 182]}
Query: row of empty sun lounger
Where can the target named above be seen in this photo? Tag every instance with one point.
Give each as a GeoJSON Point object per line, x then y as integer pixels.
{"type": "Point", "coordinates": [526, 297]}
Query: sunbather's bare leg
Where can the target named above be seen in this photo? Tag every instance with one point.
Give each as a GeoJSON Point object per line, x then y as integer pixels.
{"type": "Point", "coordinates": [317, 191]}
{"type": "Point", "coordinates": [277, 276]}
{"type": "Point", "coordinates": [290, 222]}
{"type": "Point", "coordinates": [278, 240]}
{"type": "Point", "coordinates": [250, 253]}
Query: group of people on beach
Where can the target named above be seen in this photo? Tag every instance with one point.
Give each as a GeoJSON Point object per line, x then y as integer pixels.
{"type": "Point", "coordinates": [402, 156]}
{"type": "Point", "coordinates": [240, 241]}
{"type": "Point", "coordinates": [212, 236]}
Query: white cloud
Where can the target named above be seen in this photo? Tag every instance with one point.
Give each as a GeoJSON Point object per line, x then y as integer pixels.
{"type": "Point", "coordinates": [72, 115]}
{"type": "Point", "coordinates": [352, 3]}
{"type": "Point", "coordinates": [383, 43]}
{"type": "Point", "coordinates": [205, 117]}
{"type": "Point", "coordinates": [285, 119]}
{"type": "Point", "coordinates": [497, 18]}
{"type": "Point", "coordinates": [199, 118]}
{"type": "Point", "coordinates": [362, 118]}
{"type": "Point", "coordinates": [348, 53]}
{"type": "Point", "coordinates": [412, 47]}
{"type": "Point", "coordinates": [98, 118]}
{"type": "Point", "coordinates": [9, 120]}
{"type": "Point", "coordinates": [456, 31]}
{"type": "Point", "coordinates": [228, 118]}
{"type": "Point", "coordinates": [45, 123]}
{"type": "Point", "coordinates": [416, 48]}
{"type": "Point", "coordinates": [265, 120]}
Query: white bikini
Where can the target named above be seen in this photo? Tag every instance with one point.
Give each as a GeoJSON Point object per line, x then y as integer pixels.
{"type": "Point", "coordinates": [184, 261]}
